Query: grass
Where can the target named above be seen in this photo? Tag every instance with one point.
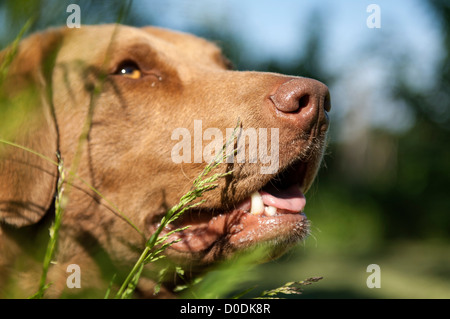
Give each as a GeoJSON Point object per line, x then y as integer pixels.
{"type": "Point", "coordinates": [60, 206]}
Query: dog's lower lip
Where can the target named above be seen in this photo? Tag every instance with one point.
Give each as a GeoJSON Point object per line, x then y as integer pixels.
{"type": "Point", "coordinates": [239, 228]}
{"type": "Point", "coordinates": [277, 217]}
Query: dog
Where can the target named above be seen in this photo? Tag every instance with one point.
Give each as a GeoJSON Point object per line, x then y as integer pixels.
{"type": "Point", "coordinates": [108, 100]}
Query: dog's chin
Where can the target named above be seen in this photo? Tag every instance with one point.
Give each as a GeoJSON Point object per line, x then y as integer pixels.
{"type": "Point", "coordinates": [272, 213]}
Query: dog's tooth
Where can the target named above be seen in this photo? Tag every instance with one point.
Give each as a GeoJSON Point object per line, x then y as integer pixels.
{"type": "Point", "coordinates": [270, 210]}
{"type": "Point", "coordinates": [257, 204]}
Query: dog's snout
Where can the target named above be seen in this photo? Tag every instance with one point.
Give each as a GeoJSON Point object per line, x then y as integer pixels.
{"type": "Point", "coordinates": [302, 102]}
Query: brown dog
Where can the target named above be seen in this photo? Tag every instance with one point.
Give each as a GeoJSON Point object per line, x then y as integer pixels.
{"type": "Point", "coordinates": [116, 103]}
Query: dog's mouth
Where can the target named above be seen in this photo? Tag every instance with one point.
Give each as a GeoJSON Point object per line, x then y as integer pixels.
{"type": "Point", "coordinates": [272, 214]}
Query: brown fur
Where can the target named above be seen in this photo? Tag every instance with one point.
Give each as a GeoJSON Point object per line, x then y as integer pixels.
{"type": "Point", "coordinates": [126, 155]}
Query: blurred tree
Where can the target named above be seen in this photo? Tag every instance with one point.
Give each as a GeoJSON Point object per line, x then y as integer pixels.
{"type": "Point", "coordinates": [421, 190]}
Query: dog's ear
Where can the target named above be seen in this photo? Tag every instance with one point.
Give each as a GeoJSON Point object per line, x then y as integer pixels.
{"type": "Point", "coordinates": [27, 180]}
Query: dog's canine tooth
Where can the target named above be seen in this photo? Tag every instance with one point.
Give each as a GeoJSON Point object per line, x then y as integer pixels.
{"type": "Point", "coordinates": [257, 204]}
{"type": "Point", "coordinates": [270, 210]}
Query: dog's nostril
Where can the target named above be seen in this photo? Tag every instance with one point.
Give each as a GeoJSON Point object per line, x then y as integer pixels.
{"type": "Point", "coordinates": [297, 94]}
{"type": "Point", "coordinates": [290, 102]}
{"type": "Point", "coordinates": [303, 102]}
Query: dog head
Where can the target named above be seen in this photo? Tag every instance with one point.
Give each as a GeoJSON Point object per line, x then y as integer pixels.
{"type": "Point", "coordinates": [137, 114]}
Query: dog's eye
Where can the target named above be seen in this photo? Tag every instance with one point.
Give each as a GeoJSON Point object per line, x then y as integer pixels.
{"type": "Point", "coordinates": [129, 69]}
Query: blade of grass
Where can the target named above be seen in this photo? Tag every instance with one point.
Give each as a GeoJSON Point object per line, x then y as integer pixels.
{"type": "Point", "coordinates": [108, 291]}
{"type": "Point", "coordinates": [60, 206]}
{"type": "Point", "coordinates": [12, 51]}
{"type": "Point", "coordinates": [289, 288]}
{"type": "Point", "coordinates": [48, 159]}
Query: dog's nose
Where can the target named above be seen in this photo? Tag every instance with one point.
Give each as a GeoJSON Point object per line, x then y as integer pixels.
{"type": "Point", "coordinates": [303, 102]}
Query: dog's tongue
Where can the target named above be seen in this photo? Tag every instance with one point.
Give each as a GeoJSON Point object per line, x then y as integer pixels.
{"type": "Point", "coordinates": [291, 198]}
